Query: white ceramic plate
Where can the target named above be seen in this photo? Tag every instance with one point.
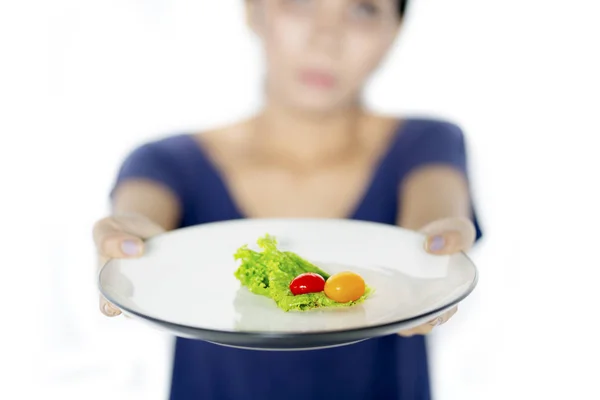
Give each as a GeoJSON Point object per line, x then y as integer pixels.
{"type": "Point", "coordinates": [185, 283]}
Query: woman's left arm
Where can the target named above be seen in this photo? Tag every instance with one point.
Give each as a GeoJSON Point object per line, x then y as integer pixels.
{"type": "Point", "coordinates": [436, 200]}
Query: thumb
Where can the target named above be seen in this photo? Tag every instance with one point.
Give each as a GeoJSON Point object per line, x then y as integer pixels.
{"type": "Point", "coordinates": [114, 242]}
{"type": "Point", "coordinates": [449, 235]}
{"type": "Point", "coordinates": [121, 245]}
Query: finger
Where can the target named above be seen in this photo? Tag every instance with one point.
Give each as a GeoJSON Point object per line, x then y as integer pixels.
{"type": "Point", "coordinates": [112, 242]}
{"type": "Point", "coordinates": [137, 225]}
{"type": "Point", "coordinates": [450, 313]}
{"type": "Point", "coordinates": [442, 319]}
{"type": "Point", "coordinates": [108, 309]}
{"type": "Point", "coordinates": [449, 236]}
{"type": "Point", "coordinates": [419, 330]}
{"type": "Point", "coordinates": [428, 327]}
{"type": "Point", "coordinates": [444, 243]}
{"type": "Point", "coordinates": [121, 245]}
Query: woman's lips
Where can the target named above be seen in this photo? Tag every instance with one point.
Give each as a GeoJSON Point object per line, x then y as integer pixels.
{"type": "Point", "coordinates": [317, 79]}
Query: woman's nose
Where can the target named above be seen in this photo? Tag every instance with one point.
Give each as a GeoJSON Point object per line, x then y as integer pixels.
{"type": "Point", "coordinates": [327, 29]}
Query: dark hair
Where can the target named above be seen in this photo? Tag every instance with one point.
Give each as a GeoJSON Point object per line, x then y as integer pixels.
{"type": "Point", "coordinates": [402, 4]}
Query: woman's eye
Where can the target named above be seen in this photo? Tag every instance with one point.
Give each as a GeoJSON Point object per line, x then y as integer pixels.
{"type": "Point", "coordinates": [365, 10]}
{"type": "Point", "coordinates": [298, 2]}
{"type": "Point", "coordinates": [298, 5]}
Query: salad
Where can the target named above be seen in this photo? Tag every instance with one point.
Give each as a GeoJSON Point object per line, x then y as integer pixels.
{"type": "Point", "coordinates": [293, 282]}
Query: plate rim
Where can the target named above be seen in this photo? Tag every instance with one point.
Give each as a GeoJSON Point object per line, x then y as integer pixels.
{"type": "Point", "coordinates": [300, 336]}
{"type": "Point", "coordinates": [242, 221]}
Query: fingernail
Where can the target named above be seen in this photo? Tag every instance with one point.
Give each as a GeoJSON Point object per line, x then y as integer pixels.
{"type": "Point", "coordinates": [130, 248]}
{"type": "Point", "coordinates": [437, 243]}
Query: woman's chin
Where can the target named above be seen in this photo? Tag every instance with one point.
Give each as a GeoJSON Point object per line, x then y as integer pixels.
{"type": "Point", "coordinates": [318, 103]}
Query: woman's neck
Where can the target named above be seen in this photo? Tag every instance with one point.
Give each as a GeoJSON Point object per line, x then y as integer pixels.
{"type": "Point", "coordinates": [306, 138]}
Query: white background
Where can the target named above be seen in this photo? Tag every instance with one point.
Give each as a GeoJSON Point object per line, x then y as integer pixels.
{"type": "Point", "coordinates": [83, 81]}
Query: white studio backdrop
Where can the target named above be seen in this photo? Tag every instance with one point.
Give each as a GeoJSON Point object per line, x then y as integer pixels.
{"type": "Point", "coordinates": [84, 81]}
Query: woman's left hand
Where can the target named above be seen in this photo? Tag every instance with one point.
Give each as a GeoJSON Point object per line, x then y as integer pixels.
{"type": "Point", "coordinates": [445, 236]}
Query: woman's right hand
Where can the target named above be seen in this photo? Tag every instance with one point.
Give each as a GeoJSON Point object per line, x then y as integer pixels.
{"type": "Point", "coordinates": [121, 236]}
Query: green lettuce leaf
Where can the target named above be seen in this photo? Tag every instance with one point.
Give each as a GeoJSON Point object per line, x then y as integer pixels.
{"type": "Point", "coordinates": [270, 272]}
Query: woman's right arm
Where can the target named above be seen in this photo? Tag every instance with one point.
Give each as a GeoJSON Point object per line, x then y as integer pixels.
{"type": "Point", "coordinates": [141, 209]}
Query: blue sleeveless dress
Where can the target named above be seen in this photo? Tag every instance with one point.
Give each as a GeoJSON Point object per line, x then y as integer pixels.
{"type": "Point", "coordinates": [385, 368]}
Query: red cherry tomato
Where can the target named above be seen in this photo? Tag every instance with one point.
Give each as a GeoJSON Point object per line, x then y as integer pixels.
{"type": "Point", "coordinates": [307, 283]}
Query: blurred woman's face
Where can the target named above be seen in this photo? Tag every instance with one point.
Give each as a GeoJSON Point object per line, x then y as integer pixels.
{"type": "Point", "coordinates": [319, 53]}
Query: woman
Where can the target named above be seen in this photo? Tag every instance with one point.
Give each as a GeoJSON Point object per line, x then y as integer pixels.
{"type": "Point", "coordinates": [313, 151]}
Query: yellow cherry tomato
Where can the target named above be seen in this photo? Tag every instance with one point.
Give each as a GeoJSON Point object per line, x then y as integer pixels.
{"type": "Point", "coordinates": [345, 287]}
